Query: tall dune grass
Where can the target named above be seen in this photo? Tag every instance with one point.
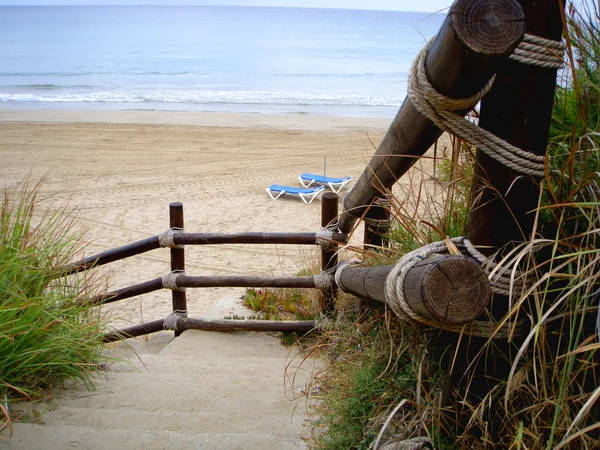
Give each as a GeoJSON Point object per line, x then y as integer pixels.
{"type": "Point", "coordinates": [47, 333]}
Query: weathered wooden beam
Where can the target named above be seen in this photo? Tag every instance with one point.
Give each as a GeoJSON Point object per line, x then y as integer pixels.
{"type": "Point", "coordinates": [251, 238]}
{"type": "Point", "coordinates": [135, 331]}
{"type": "Point", "coordinates": [452, 289]}
{"type": "Point", "coordinates": [182, 238]}
{"type": "Point", "coordinates": [245, 281]}
{"type": "Point", "coordinates": [296, 326]}
{"type": "Point", "coordinates": [99, 259]}
{"type": "Point", "coordinates": [128, 292]}
{"type": "Point", "coordinates": [476, 37]}
{"type": "Point", "coordinates": [517, 109]}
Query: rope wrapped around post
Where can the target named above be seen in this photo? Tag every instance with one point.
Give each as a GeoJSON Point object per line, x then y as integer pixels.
{"type": "Point", "coordinates": [170, 322]}
{"type": "Point", "coordinates": [395, 297]}
{"type": "Point", "coordinates": [169, 281]}
{"type": "Point", "coordinates": [166, 238]}
{"type": "Point", "coordinates": [324, 280]}
{"type": "Point", "coordinates": [541, 52]}
{"type": "Point", "coordinates": [440, 110]}
{"type": "Point", "coordinates": [324, 238]}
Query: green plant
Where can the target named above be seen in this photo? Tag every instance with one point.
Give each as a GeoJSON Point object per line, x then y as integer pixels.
{"type": "Point", "coordinates": [48, 334]}
{"type": "Point", "coordinates": [281, 304]}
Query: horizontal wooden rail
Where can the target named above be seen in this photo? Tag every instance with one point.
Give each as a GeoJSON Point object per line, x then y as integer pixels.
{"type": "Point", "coordinates": [115, 254]}
{"type": "Point", "coordinates": [250, 238]}
{"type": "Point", "coordinates": [182, 238]}
{"type": "Point", "coordinates": [128, 292]}
{"type": "Point", "coordinates": [203, 282]}
{"type": "Point", "coordinates": [245, 281]}
{"type": "Point", "coordinates": [301, 326]}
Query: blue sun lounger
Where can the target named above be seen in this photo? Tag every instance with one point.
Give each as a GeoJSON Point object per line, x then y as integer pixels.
{"type": "Point", "coordinates": [306, 194]}
{"type": "Point", "coordinates": [335, 184]}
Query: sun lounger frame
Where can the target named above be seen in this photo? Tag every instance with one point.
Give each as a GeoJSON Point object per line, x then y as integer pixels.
{"type": "Point", "coordinates": [306, 194]}
{"type": "Point", "coordinates": [308, 179]}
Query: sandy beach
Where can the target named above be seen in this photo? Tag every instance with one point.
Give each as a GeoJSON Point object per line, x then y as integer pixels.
{"type": "Point", "coordinates": [121, 169]}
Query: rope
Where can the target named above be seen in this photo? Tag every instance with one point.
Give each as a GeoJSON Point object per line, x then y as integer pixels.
{"type": "Point", "coordinates": [439, 109]}
{"type": "Point", "coordinates": [169, 281]}
{"type": "Point", "coordinates": [324, 281]}
{"type": "Point", "coordinates": [394, 291]}
{"type": "Point", "coordinates": [170, 322]}
{"type": "Point", "coordinates": [538, 51]}
{"type": "Point", "coordinates": [166, 239]}
{"type": "Point", "coordinates": [343, 266]}
{"type": "Point", "coordinates": [324, 238]}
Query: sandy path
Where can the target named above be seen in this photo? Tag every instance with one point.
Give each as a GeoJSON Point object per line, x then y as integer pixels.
{"type": "Point", "coordinates": [122, 176]}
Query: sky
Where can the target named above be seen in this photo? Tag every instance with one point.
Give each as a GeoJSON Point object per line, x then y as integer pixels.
{"type": "Point", "coordinates": [390, 5]}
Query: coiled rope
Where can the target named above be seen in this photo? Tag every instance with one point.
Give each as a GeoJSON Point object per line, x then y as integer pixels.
{"type": "Point", "coordinates": [541, 52]}
{"type": "Point", "coordinates": [440, 110]}
{"type": "Point", "coordinates": [394, 291]}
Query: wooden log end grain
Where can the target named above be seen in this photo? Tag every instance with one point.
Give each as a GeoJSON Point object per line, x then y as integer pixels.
{"type": "Point", "coordinates": [488, 27]}
{"type": "Point", "coordinates": [452, 289]}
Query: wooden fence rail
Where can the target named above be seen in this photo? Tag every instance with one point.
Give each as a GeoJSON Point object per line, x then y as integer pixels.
{"type": "Point", "coordinates": [182, 324]}
{"type": "Point", "coordinates": [183, 238]}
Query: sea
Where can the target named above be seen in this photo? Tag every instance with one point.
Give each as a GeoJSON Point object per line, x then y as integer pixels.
{"type": "Point", "coordinates": [337, 62]}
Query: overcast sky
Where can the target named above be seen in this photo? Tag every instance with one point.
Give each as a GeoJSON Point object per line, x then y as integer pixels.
{"type": "Point", "coordinates": [391, 5]}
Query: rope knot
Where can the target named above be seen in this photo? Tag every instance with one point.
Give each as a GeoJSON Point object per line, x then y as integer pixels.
{"type": "Point", "coordinates": [167, 238]}
{"type": "Point", "coordinates": [324, 281]}
{"type": "Point", "coordinates": [169, 281]}
{"type": "Point", "coordinates": [324, 237]}
{"type": "Point", "coordinates": [170, 322]}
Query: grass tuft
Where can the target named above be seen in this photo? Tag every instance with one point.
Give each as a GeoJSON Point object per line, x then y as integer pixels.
{"type": "Point", "coordinates": [47, 332]}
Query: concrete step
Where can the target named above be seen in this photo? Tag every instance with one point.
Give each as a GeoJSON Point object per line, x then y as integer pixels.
{"type": "Point", "coordinates": [237, 421]}
{"type": "Point", "coordinates": [152, 402]}
{"type": "Point", "coordinates": [231, 344]}
{"type": "Point", "coordinates": [290, 367]}
{"type": "Point", "coordinates": [39, 437]}
{"type": "Point", "coordinates": [223, 385]}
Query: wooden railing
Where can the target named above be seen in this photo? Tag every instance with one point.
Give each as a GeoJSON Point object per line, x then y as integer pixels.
{"type": "Point", "coordinates": [176, 239]}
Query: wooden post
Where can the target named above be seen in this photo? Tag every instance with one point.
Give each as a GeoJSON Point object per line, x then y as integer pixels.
{"type": "Point", "coordinates": [517, 109]}
{"type": "Point", "coordinates": [452, 289]}
{"type": "Point", "coordinates": [177, 257]}
{"type": "Point", "coordinates": [477, 36]}
{"type": "Point", "coordinates": [329, 259]}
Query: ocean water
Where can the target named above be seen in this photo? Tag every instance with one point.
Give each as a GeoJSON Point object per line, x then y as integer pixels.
{"type": "Point", "coordinates": [207, 58]}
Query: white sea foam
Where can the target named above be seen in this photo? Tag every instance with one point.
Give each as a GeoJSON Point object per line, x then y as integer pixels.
{"type": "Point", "coordinates": [82, 95]}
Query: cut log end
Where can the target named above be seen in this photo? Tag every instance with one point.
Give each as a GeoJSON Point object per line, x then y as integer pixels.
{"type": "Point", "coordinates": [488, 27]}
{"type": "Point", "coordinates": [452, 289]}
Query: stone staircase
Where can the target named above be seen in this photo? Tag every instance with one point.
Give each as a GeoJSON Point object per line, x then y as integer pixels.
{"type": "Point", "coordinates": [202, 390]}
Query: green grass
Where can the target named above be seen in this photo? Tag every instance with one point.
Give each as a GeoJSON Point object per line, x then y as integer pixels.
{"type": "Point", "coordinates": [47, 333]}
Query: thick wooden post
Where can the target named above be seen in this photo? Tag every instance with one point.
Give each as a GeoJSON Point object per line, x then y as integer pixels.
{"type": "Point", "coordinates": [177, 257]}
{"type": "Point", "coordinates": [329, 259]}
{"type": "Point", "coordinates": [477, 36]}
{"type": "Point", "coordinates": [451, 289]}
{"type": "Point", "coordinates": [517, 109]}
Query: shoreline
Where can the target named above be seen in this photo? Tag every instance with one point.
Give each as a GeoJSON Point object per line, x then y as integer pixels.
{"type": "Point", "coordinates": [308, 122]}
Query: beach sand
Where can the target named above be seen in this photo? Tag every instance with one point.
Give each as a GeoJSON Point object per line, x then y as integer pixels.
{"type": "Point", "coordinates": [121, 169]}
